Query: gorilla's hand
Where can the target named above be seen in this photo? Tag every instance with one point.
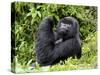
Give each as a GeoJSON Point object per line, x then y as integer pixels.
{"type": "Point", "coordinates": [59, 41]}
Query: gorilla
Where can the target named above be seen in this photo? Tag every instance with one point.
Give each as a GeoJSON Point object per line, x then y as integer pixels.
{"type": "Point", "coordinates": [59, 45]}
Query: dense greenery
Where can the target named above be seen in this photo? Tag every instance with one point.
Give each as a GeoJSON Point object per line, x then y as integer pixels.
{"type": "Point", "coordinates": [24, 34]}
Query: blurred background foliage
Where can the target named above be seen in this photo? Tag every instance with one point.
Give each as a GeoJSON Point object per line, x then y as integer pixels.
{"type": "Point", "coordinates": [25, 19]}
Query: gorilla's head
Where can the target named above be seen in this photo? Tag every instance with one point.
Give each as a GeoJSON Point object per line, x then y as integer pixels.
{"type": "Point", "coordinates": [67, 27]}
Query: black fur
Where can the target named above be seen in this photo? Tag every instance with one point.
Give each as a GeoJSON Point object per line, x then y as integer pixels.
{"type": "Point", "coordinates": [49, 50]}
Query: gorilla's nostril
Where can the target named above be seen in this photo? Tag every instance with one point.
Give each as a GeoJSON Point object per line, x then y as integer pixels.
{"type": "Point", "coordinates": [66, 30]}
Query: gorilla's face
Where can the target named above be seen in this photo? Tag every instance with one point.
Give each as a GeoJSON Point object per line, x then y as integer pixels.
{"type": "Point", "coordinates": [66, 27]}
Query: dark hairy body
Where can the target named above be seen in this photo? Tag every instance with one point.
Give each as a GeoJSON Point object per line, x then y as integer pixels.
{"type": "Point", "coordinates": [55, 46]}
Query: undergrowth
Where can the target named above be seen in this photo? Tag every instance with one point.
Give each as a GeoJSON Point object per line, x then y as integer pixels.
{"type": "Point", "coordinates": [87, 61]}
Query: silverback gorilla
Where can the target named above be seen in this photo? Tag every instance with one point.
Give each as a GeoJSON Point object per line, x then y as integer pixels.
{"type": "Point", "coordinates": [55, 46]}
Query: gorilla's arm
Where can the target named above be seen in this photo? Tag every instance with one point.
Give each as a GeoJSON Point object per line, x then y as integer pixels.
{"type": "Point", "coordinates": [70, 47]}
{"type": "Point", "coordinates": [45, 42]}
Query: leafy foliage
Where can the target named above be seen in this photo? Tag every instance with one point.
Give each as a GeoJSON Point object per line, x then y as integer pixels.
{"type": "Point", "coordinates": [25, 27]}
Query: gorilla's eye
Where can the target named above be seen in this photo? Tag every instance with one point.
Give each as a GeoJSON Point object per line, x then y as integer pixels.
{"type": "Point", "coordinates": [65, 26]}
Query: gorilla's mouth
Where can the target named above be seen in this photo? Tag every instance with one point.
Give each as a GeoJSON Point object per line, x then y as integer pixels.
{"type": "Point", "coordinates": [63, 31]}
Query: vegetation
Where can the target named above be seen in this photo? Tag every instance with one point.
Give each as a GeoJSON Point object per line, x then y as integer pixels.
{"type": "Point", "coordinates": [24, 35]}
